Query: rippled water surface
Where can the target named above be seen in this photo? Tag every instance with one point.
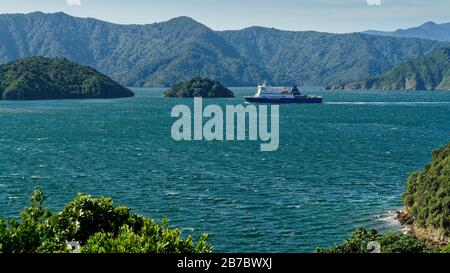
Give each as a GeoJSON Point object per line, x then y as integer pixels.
{"type": "Point", "coordinates": [340, 165]}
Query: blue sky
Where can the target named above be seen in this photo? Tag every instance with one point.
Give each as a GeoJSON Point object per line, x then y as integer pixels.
{"type": "Point", "coordinates": [322, 15]}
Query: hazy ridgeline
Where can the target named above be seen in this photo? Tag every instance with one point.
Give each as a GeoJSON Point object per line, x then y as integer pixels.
{"type": "Point", "coordinates": [164, 53]}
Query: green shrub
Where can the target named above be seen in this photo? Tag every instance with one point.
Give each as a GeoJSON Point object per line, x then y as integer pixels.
{"type": "Point", "coordinates": [87, 215]}
{"type": "Point", "coordinates": [94, 223]}
{"type": "Point", "coordinates": [152, 238]}
{"type": "Point", "coordinates": [389, 242]}
{"type": "Point", "coordinates": [446, 249]}
{"type": "Point", "coordinates": [32, 232]}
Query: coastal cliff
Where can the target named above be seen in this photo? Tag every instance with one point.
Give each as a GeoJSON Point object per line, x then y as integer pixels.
{"type": "Point", "coordinates": [427, 201]}
{"type": "Point", "coordinates": [431, 235]}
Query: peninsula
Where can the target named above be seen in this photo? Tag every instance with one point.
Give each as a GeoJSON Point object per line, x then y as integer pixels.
{"type": "Point", "coordinates": [40, 78]}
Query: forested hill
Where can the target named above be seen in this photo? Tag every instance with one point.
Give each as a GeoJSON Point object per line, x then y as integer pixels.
{"type": "Point", "coordinates": [315, 58]}
{"type": "Point", "coordinates": [39, 78]}
{"type": "Point", "coordinates": [162, 54]}
{"type": "Point", "coordinates": [429, 72]}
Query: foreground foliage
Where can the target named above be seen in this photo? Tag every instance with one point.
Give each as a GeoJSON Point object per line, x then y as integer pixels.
{"type": "Point", "coordinates": [359, 241]}
{"type": "Point", "coordinates": [91, 224]}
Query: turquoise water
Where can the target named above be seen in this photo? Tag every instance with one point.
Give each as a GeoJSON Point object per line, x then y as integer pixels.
{"type": "Point", "coordinates": [340, 165]}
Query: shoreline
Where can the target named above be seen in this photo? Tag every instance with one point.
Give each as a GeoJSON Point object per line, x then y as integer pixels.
{"type": "Point", "coordinates": [391, 219]}
{"type": "Point", "coordinates": [429, 235]}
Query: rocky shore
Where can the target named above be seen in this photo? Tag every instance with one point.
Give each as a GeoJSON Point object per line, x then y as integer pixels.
{"type": "Point", "coordinates": [430, 235]}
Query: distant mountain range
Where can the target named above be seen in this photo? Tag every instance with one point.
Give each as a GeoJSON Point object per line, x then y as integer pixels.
{"type": "Point", "coordinates": [162, 54]}
{"type": "Point", "coordinates": [429, 30]}
{"type": "Point", "coordinates": [429, 72]}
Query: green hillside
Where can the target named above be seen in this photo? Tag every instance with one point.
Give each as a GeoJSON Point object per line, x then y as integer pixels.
{"type": "Point", "coordinates": [429, 72]}
{"type": "Point", "coordinates": [38, 78]}
{"type": "Point", "coordinates": [162, 54]}
{"type": "Point", "coordinates": [427, 195]}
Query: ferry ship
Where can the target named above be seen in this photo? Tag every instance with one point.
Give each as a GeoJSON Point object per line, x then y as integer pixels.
{"type": "Point", "coordinates": [268, 94]}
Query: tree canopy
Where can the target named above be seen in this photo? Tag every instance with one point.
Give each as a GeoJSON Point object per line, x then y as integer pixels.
{"type": "Point", "coordinates": [92, 225]}
{"type": "Point", "coordinates": [38, 78]}
{"type": "Point", "coordinates": [199, 87]}
{"type": "Point", "coordinates": [427, 195]}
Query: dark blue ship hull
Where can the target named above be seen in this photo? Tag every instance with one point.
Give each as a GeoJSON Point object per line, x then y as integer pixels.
{"type": "Point", "coordinates": [284, 100]}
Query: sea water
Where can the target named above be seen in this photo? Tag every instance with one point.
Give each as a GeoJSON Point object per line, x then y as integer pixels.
{"type": "Point", "coordinates": [340, 165]}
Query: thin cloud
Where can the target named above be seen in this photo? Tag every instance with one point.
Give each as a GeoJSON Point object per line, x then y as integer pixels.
{"type": "Point", "coordinates": [74, 2]}
{"type": "Point", "coordinates": [374, 2]}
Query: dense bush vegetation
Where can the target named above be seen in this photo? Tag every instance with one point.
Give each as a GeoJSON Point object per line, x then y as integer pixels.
{"type": "Point", "coordinates": [164, 53]}
{"type": "Point", "coordinates": [427, 195]}
{"type": "Point", "coordinates": [430, 72]}
{"type": "Point", "coordinates": [358, 242]}
{"type": "Point", "coordinates": [37, 78]}
{"type": "Point", "coordinates": [149, 238]}
{"type": "Point", "coordinates": [91, 224]}
{"type": "Point", "coordinates": [199, 87]}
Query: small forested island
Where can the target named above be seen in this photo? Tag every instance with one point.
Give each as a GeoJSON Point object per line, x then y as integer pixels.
{"type": "Point", "coordinates": [40, 78]}
{"type": "Point", "coordinates": [199, 87]}
{"type": "Point", "coordinates": [429, 72]}
{"type": "Point", "coordinates": [426, 213]}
